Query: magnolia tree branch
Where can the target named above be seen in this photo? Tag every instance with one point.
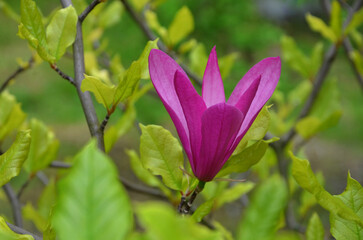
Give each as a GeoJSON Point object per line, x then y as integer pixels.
{"type": "Point", "coordinates": [15, 204]}
{"type": "Point", "coordinates": [79, 70]}
{"type": "Point", "coordinates": [16, 73]}
{"type": "Point", "coordinates": [23, 231]}
{"type": "Point", "coordinates": [150, 35]}
{"type": "Point", "coordinates": [88, 9]}
{"type": "Point", "coordinates": [62, 74]}
{"type": "Point", "coordinates": [348, 49]}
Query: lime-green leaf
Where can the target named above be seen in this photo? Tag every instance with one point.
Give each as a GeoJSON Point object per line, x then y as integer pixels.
{"type": "Point", "coordinates": [163, 223]}
{"type": "Point", "coordinates": [32, 29]}
{"type": "Point", "coordinates": [187, 46]}
{"type": "Point", "coordinates": [336, 18]}
{"type": "Point", "coordinates": [110, 15]}
{"type": "Point", "coordinates": [12, 160]}
{"type": "Point", "coordinates": [317, 25]}
{"type": "Point", "coordinates": [226, 63]}
{"type": "Point", "coordinates": [294, 57]}
{"type": "Point", "coordinates": [103, 93]}
{"type": "Point", "coordinates": [143, 59]}
{"type": "Point", "coordinates": [316, 58]}
{"type": "Point", "coordinates": [305, 177]}
{"type": "Point", "coordinates": [114, 132]}
{"type": "Point", "coordinates": [242, 161]}
{"type": "Point", "coordinates": [203, 210]}
{"type": "Point", "coordinates": [92, 204]}
{"type": "Point", "coordinates": [128, 83]}
{"type": "Point", "coordinates": [47, 199]}
{"type": "Point", "coordinates": [264, 211]}
{"type": "Point", "coordinates": [315, 230]}
{"type": "Point", "coordinates": [43, 148]}
{"type": "Point", "coordinates": [162, 154]}
{"type": "Point", "coordinates": [11, 115]}
{"type": "Point", "coordinates": [356, 21]}
{"type": "Point", "coordinates": [357, 59]}
{"type": "Point", "coordinates": [8, 234]}
{"type": "Point", "coordinates": [61, 31]}
{"type": "Point", "coordinates": [30, 213]}
{"type": "Point", "coordinates": [139, 4]}
{"type": "Point", "coordinates": [352, 197]}
{"type": "Point", "coordinates": [153, 22]}
{"type": "Point", "coordinates": [233, 193]}
{"type": "Point", "coordinates": [198, 59]}
{"type": "Point", "coordinates": [181, 26]}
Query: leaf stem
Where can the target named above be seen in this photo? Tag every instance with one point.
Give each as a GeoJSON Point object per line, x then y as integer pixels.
{"type": "Point", "coordinates": [88, 9]}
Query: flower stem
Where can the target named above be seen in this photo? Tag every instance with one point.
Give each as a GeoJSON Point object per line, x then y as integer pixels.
{"type": "Point", "coordinates": [185, 206]}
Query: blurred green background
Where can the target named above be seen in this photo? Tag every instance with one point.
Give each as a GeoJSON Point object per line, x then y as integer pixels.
{"type": "Point", "coordinates": [252, 29]}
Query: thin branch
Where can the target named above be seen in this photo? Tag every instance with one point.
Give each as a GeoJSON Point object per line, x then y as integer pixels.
{"type": "Point", "coordinates": [22, 188]}
{"type": "Point", "coordinates": [62, 74]}
{"type": "Point", "coordinates": [348, 49]}
{"type": "Point", "coordinates": [85, 97]}
{"type": "Point", "coordinates": [88, 9]}
{"type": "Point", "coordinates": [150, 35]}
{"type": "Point", "coordinates": [15, 204]}
{"type": "Point", "coordinates": [58, 164]}
{"type": "Point", "coordinates": [16, 73]}
{"type": "Point", "coordinates": [104, 122]}
{"type": "Point", "coordinates": [42, 177]}
{"type": "Point", "coordinates": [23, 231]}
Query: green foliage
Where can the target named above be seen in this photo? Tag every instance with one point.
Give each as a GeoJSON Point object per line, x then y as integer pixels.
{"type": "Point", "coordinates": [8, 11]}
{"type": "Point", "coordinates": [318, 25]}
{"type": "Point", "coordinates": [11, 115]}
{"type": "Point", "coordinates": [169, 224]}
{"type": "Point", "coordinates": [12, 160]}
{"type": "Point", "coordinates": [266, 207]}
{"type": "Point", "coordinates": [6, 233]}
{"type": "Point", "coordinates": [61, 31]}
{"type": "Point", "coordinates": [325, 113]}
{"type": "Point", "coordinates": [93, 195]}
{"type": "Point", "coordinates": [335, 18]}
{"type": "Point", "coordinates": [43, 148]}
{"type": "Point", "coordinates": [162, 154]}
{"type": "Point", "coordinates": [315, 230]}
{"type": "Point", "coordinates": [181, 26]}
{"type": "Point", "coordinates": [110, 15]}
{"type": "Point", "coordinates": [305, 177]}
{"type": "Point", "coordinates": [353, 198]}
{"type": "Point", "coordinates": [103, 93]}
{"type": "Point", "coordinates": [356, 21]}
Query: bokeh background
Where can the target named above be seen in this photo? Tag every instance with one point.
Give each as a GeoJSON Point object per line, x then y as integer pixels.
{"type": "Point", "coordinates": [252, 29]}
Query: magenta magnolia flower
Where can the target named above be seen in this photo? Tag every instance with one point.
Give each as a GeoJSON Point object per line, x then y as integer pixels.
{"type": "Point", "coordinates": [210, 127]}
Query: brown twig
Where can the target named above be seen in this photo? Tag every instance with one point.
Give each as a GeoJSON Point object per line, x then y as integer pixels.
{"type": "Point", "coordinates": [62, 74]}
{"type": "Point", "coordinates": [16, 73]}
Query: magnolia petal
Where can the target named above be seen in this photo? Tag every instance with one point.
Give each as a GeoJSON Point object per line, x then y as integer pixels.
{"type": "Point", "coordinates": [220, 124]}
{"type": "Point", "coordinates": [212, 89]}
{"type": "Point", "coordinates": [193, 107]}
{"type": "Point", "coordinates": [269, 70]}
{"type": "Point", "coordinates": [162, 69]}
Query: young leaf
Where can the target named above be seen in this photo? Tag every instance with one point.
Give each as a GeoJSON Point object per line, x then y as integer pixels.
{"type": "Point", "coordinates": [162, 154]}
{"type": "Point", "coordinates": [143, 59]}
{"type": "Point", "coordinates": [336, 18]}
{"type": "Point", "coordinates": [353, 198]}
{"type": "Point", "coordinates": [182, 25]}
{"type": "Point", "coordinates": [317, 25]}
{"type": "Point", "coordinates": [92, 204]}
{"type": "Point", "coordinates": [30, 213]}
{"type": "Point", "coordinates": [8, 234]}
{"type": "Point", "coordinates": [61, 31]}
{"type": "Point", "coordinates": [242, 161]}
{"type": "Point", "coordinates": [128, 83]}
{"type": "Point", "coordinates": [110, 15]}
{"type": "Point", "coordinates": [305, 177]}
{"type": "Point", "coordinates": [145, 175]}
{"type": "Point", "coordinates": [233, 193]}
{"type": "Point", "coordinates": [315, 230]}
{"type": "Point", "coordinates": [262, 216]}
{"type": "Point", "coordinates": [43, 148]}
{"type": "Point", "coordinates": [163, 223]}
{"type": "Point", "coordinates": [11, 115]}
{"type": "Point", "coordinates": [12, 160]}
{"type": "Point", "coordinates": [103, 93]}
{"type": "Point", "coordinates": [32, 28]}
{"type": "Point", "coordinates": [9, 12]}
{"type": "Point", "coordinates": [226, 63]}
{"type": "Point", "coordinates": [203, 210]}
{"type": "Point", "coordinates": [356, 21]}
